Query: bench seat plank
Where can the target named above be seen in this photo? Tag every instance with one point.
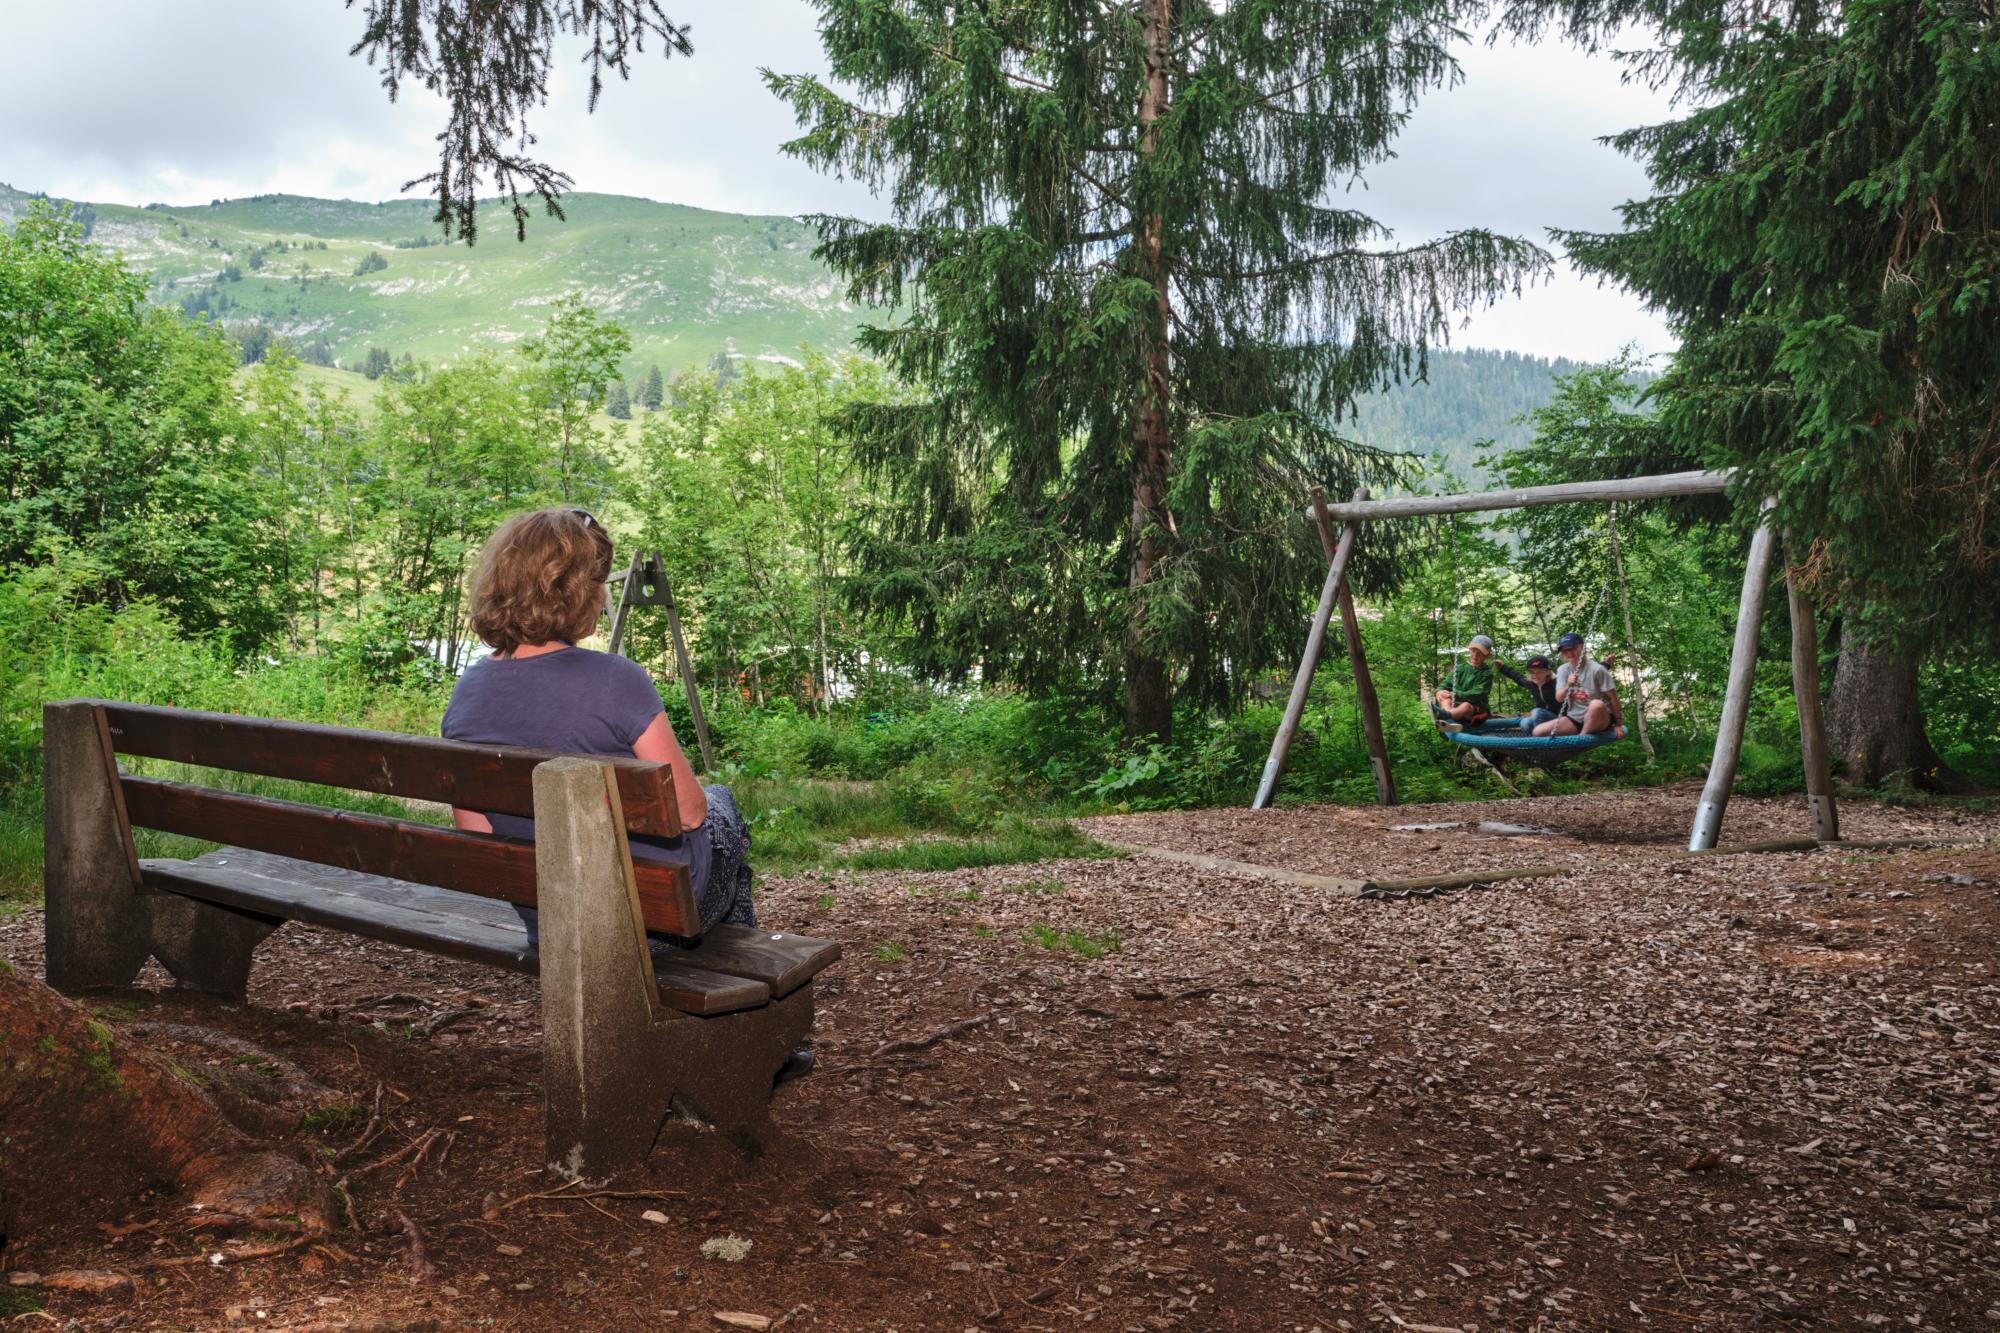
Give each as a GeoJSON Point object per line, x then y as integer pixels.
{"type": "Point", "coordinates": [781, 960]}
{"type": "Point", "coordinates": [417, 916]}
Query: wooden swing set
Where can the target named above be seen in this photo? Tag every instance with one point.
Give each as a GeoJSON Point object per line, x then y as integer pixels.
{"type": "Point", "coordinates": [1334, 592]}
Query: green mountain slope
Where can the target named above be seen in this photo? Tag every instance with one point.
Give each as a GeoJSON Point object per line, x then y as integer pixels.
{"type": "Point", "coordinates": [1468, 399]}
{"type": "Point", "coordinates": [685, 282]}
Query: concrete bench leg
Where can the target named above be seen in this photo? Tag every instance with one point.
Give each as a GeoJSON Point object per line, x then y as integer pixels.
{"type": "Point", "coordinates": [101, 923]}
{"type": "Point", "coordinates": [206, 946]}
{"type": "Point", "coordinates": [616, 1064]}
{"type": "Point", "coordinates": [98, 926]}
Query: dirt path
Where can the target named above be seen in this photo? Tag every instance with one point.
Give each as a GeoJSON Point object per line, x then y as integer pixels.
{"type": "Point", "coordinates": [1663, 1094]}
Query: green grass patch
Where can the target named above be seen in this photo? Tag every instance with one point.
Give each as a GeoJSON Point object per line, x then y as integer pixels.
{"type": "Point", "coordinates": [1014, 843]}
{"type": "Point", "coordinates": [984, 932]}
{"type": "Point", "coordinates": [1079, 942]}
{"type": "Point", "coordinates": [16, 1301]}
{"type": "Point", "coordinates": [330, 1119]}
{"type": "Point", "coordinates": [1042, 886]}
{"type": "Point", "coordinates": [824, 902]}
{"type": "Point", "coordinates": [890, 953]}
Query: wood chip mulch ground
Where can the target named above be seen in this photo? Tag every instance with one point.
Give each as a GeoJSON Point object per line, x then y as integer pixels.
{"type": "Point", "coordinates": [1737, 1092]}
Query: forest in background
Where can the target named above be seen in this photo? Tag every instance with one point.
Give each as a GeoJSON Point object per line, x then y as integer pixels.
{"type": "Point", "coordinates": [188, 531]}
{"type": "Point", "coordinates": [1040, 545]}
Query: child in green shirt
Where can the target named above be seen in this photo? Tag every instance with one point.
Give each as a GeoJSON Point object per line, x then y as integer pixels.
{"type": "Point", "coordinates": [1464, 699]}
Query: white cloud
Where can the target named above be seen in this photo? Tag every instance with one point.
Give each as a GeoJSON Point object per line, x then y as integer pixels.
{"type": "Point", "coordinates": [206, 99]}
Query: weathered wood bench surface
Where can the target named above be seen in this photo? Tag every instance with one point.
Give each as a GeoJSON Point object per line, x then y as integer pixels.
{"type": "Point", "coordinates": [629, 1038]}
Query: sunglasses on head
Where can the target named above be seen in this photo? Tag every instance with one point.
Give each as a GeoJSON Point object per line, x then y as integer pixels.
{"type": "Point", "coordinates": [587, 517]}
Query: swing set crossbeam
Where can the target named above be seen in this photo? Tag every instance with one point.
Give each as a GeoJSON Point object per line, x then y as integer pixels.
{"type": "Point", "coordinates": [1666, 486]}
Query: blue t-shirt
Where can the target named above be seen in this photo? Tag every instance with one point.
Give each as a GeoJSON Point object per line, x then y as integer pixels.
{"type": "Point", "coordinates": [574, 701]}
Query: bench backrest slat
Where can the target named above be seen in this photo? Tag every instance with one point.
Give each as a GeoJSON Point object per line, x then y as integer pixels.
{"type": "Point", "coordinates": [473, 777]}
{"type": "Point", "coordinates": [475, 863]}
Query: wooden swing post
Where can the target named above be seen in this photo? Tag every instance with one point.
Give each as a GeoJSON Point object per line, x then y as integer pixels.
{"type": "Point", "coordinates": [1736, 699]}
{"type": "Point", "coordinates": [1295, 707]}
{"type": "Point", "coordinates": [644, 583]}
{"type": "Point", "coordinates": [1812, 714]}
{"type": "Point", "coordinates": [1357, 658]}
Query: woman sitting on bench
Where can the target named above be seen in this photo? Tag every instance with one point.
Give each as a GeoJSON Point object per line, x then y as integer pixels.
{"type": "Point", "coordinates": [539, 589]}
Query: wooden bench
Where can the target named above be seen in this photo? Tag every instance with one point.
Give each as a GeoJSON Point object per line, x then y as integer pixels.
{"type": "Point", "coordinates": [628, 1040]}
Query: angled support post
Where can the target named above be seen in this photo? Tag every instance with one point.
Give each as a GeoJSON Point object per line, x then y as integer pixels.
{"type": "Point", "coordinates": [1812, 713]}
{"type": "Point", "coordinates": [1357, 658]}
{"type": "Point", "coordinates": [1736, 702]}
{"type": "Point", "coordinates": [644, 583]}
{"type": "Point", "coordinates": [1295, 708]}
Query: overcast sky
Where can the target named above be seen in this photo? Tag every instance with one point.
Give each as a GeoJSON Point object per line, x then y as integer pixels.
{"type": "Point", "coordinates": [134, 101]}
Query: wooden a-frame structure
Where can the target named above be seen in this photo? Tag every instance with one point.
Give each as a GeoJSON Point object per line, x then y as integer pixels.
{"type": "Point", "coordinates": [1742, 661]}
{"type": "Point", "coordinates": [644, 583]}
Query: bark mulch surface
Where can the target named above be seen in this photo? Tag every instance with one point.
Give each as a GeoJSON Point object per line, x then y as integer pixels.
{"type": "Point", "coordinates": [1732, 1092]}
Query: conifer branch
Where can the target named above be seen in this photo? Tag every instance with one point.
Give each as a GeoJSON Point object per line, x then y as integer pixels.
{"type": "Point", "coordinates": [490, 60]}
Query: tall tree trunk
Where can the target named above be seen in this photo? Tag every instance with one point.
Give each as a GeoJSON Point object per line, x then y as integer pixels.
{"type": "Point", "coordinates": [1148, 701]}
{"type": "Point", "coordinates": [1875, 721]}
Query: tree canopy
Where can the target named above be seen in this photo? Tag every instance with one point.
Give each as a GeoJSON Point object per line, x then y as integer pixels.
{"type": "Point", "coordinates": [1136, 308]}
{"type": "Point", "coordinates": [1823, 239]}
{"type": "Point", "coordinates": [491, 62]}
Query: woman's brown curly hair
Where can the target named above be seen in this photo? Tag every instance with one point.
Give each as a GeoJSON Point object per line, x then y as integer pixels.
{"type": "Point", "coordinates": [541, 579]}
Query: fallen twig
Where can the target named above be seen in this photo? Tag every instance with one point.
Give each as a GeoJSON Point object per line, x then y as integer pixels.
{"type": "Point", "coordinates": [367, 1131]}
{"type": "Point", "coordinates": [421, 1267]}
{"type": "Point", "coordinates": [563, 1193]}
{"type": "Point", "coordinates": [217, 1258]}
{"type": "Point", "coordinates": [416, 1145]}
{"type": "Point", "coordinates": [277, 1226]}
{"type": "Point", "coordinates": [925, 1042]}
{"type": "Point", "coordinates": [408, 1172]}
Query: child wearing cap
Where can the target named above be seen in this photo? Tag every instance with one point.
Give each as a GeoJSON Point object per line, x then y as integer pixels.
{"type": "Point", "coordinates": [1586, 696]}
{"type": "Point", "coordinates": [1464, 698]}
{"type": "Point", "coordinates": [1540, 683]}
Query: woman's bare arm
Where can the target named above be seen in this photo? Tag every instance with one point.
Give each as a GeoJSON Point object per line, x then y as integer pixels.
{"type": "Point", "coordinates": [471, 821]}
{"type": "Point", "coordinates": [657, 745]}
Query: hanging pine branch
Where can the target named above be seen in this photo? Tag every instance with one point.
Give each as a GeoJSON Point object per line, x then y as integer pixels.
{"type": "Point", "coordinates": [490, 61]}
{"type": "Point", "coordinates": [1123, 268]}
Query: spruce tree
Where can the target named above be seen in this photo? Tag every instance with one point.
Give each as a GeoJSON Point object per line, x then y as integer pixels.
{"type": "Point", "coordinates": [1131, 283]}
{"type": "Point", "coordinates": [655, 392]}
{"type": "Point", "coordinates": [1822, 238]}
{"type": "Point", "coordinates": [618, 401]}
